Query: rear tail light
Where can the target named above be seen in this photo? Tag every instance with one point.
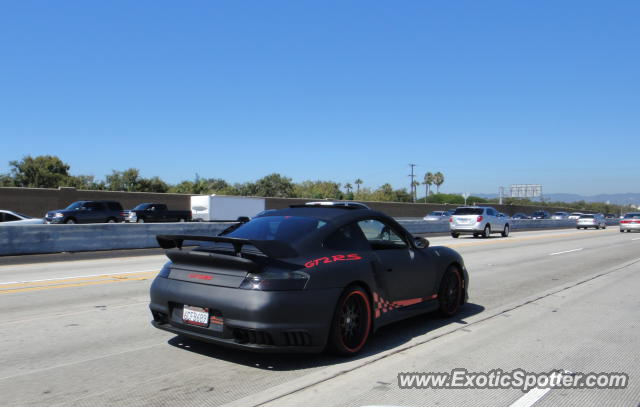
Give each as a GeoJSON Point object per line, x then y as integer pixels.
{"type": "Point", "coordinates": [451, 219]}
{"type": "Point", "coordinates": [296, 280]}
{"type": "Point", "coordinates": [479, 219]}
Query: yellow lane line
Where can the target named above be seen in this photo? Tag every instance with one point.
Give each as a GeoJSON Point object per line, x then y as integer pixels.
{"type": "Point", "coordinates": [74, 282]}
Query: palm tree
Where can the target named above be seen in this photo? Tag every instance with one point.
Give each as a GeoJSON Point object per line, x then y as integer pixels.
{"type": "Point", "coordinates": [348, 187]}
{"type": "Point", "coordinates": [438, 180]}
{"type": "Point", "coordinates": [427, 182]}
{"type": "Point", "coordinates": [358, 182]}
{"type": "Point", "coordinates": [414, 190]}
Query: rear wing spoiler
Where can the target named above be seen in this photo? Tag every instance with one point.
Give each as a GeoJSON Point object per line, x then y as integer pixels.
{"type": "Point", "coordinates": [272, 248]}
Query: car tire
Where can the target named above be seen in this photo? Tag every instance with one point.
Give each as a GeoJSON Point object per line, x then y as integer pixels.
{"type": "Point", "coordinates": [450, 292]}
{"type": "Point", "coordinates": [486, 232]}
{"type": "Point", "coordinates": [505, 232]}
{"type": "Point", "coordinates": [621, 230]}
{"type": "Point", "coordinates": [476, 235]}
{"type": "Point", "coordinates": [70, 221]}
{"type": "Point", "coordinates": [604, 226]}
{"type": "Point", "coordinates": [140, 220]}
{"type": "Point", "coordinates": [182, 220]}
{"type": "Point", "coordinates": [111, 220]}
{"type": "Point", "coordinates": [455, 235]}
{"type": "Point", "coordinates": [351, 324]}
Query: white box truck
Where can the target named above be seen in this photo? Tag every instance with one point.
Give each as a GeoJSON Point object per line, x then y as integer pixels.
{"type": "Point", "coordinates": [221, 207]}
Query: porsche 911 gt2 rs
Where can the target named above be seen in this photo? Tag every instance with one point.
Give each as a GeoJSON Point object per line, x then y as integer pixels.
{"type": "Point", "coordinates": [303, 279]}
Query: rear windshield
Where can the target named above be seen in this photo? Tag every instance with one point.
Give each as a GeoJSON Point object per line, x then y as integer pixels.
{"type": "Point", "coordinates": [632, 216]}
{"type": "Point", "coordinates": [586, 216]}
{"type": "Point", "coordinates": [559, 213]}
{"type": "Point", "coordinates": [468, 211]}
{"type": "Point", "coordinates": [283, 228]}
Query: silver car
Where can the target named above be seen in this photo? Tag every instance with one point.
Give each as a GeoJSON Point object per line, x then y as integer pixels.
{"type": "Point", "coordinates": [630, 221]}
{"type": "Point", "coordinates": [560, 216]}
{"type": "Point", "coordinates": [575, 215]}
{"type": "Point", "coordinates": [478, 221]}
{"type": "Point", "coordinates": [591, 221]}
{"type": "Point", "coordinates": [15, 218]}
{"type": "Point", "coordinates": [436, 216]}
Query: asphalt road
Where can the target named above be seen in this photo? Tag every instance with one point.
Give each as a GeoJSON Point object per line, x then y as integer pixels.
{"type": "Point", "coordinates": [77, 332]}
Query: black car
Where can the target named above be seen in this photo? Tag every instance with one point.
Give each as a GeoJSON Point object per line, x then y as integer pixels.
{"type": "Point", "coordinates": [520, 215]}
{"type": "Point", "coordinates": [303, 279]}
{"type": "Point", "coordinates": [156, 212]}
{"type": "Point", "coordinates": [540, 215]}
{"type": "Point", "coordinates": [88, 212]}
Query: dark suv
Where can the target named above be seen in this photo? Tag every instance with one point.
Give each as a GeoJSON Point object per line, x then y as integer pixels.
{"type": "Point", "coordinates": [540, 215]}
{"type": "Point", "coordinates": [88, 212]}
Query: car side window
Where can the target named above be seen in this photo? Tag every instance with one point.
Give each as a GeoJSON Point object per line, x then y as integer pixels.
{"type": "Point", "coordinates": [348, 237]}
{"type": "Point", "coordinates": [114, 206]}
{"type": "Point", "coordinates": [491, 212]}
{"type": "Point", "coordinates": [9, 217]}
{"type": "Point", "coordinates": [92, 206]}
{"type": "Point", "coordinates": [381, 236]}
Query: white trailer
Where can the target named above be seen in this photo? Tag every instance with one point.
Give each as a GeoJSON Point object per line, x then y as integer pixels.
{"type": "Point", "coordinates": [221, 207]}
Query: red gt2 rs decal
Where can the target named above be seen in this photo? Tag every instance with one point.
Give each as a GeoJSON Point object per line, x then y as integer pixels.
{"type": "Point", "coordinates": [200, 276]}
{"type": "Point", "coordinates": [337, 257]}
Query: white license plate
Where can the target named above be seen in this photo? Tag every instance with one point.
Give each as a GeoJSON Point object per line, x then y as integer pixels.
{"type": "Point", "coordinates": [195, 315]}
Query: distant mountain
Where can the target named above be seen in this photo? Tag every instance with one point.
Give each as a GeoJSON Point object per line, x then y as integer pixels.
{"type": "Point", "coordinates": [629, 198]}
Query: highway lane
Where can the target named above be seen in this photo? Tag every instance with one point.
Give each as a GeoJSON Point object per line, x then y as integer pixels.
{"type": "Point", "coordinates": [72, 343]}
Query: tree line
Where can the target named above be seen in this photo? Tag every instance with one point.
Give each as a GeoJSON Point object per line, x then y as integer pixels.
{"type": "Point", "coordinates": [49, 171]}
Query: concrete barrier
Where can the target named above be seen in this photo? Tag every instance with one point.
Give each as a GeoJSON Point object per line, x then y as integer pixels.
{"type": "Point", "coordinates": [419, 226]}
{"type": "Point", "coordinates": [37, 239]}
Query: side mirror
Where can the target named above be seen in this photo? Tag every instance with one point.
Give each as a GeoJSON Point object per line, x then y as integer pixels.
{"type": "Point", "coordinates": [421, 242]}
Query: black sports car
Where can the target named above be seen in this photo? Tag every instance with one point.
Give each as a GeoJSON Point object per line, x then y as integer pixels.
{"type": "Point", "coordinates": [303, 279]}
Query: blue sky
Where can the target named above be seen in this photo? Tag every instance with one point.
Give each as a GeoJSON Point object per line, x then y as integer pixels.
{"type": "Point", "coordinates": [490, 93]}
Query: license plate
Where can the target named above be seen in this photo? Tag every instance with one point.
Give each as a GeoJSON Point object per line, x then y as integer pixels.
{"type": "Point", "coordinates": [195, 315]}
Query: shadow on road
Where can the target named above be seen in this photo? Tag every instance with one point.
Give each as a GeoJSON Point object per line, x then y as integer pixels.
{"type": "Point", "coordinates": [388, 337]}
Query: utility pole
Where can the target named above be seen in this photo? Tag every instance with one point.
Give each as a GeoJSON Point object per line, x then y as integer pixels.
{"type": "Point", "coordinates": [413, 195]}
{"type": "Point", "coordinates": [501, 194]}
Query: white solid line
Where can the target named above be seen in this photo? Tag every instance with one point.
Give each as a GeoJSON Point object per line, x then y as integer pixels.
{"type": "Point", "coordinates": [531, 397]}
{"type": "Point", "coordinates": [72, 277]}
{"type": "Point", "coordinates": [566, 251]}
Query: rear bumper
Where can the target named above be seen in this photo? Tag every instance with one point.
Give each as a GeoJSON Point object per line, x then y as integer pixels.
{"type": "Point", "coordinates": [630, 226]}
{"type": "Point", "coordinates": [587, 225]}
{"type": "Point", "coordinates": [262, 321]}
{"type": "Point", "coordinates": [466, 229]}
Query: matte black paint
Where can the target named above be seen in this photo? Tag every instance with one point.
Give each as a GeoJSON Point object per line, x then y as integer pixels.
{"type": "Point", "coordinates": [401, 282]}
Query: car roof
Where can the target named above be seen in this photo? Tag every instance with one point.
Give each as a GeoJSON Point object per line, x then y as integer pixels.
{"type": "Point", "coordinates": [348, 204]}
{"type": "Point", "coordinates": [326, 213]}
